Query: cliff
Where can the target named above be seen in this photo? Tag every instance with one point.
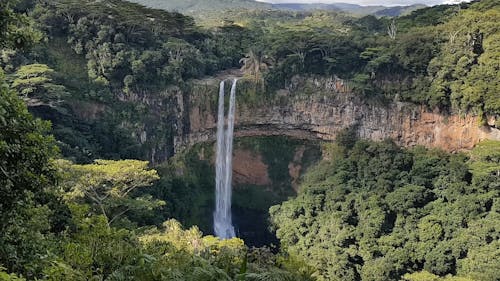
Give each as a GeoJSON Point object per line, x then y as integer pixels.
{"type": "Point", "coordinates": [318, 108]}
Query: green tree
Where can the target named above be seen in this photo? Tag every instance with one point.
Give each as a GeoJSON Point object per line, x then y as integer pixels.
{"type": "Point", "coordinates": [16, 30]}
{"type": "Point", "coordinates": [426, 276]}
{"type": "Point", "coordinates": [26, 152]}
{"type": "Point", "coordinates": [35, 84]}
{"type": "Point", "coordinates": [4, 276]}
{"type": "Point", "coordinates": [486, 158]}
{"type": "Point", "coordinates": [255, 64]}
{"type": "Point", "coordinates": [109, 185]}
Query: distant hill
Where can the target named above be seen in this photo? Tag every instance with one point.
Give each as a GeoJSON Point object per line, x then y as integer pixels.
{"type": "Point", "coordinates": [399, 10]}
{"type": "Point", "coordinates": [195, 6]}
{"type": "Point", "coordinates": [349, 8]}
{"type": "Point", "coordinates": [352, 8]}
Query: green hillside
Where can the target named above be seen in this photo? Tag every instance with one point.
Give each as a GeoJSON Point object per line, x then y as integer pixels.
{"type": "Point", "coordinates": [198, 8]}
{"type": "Point", "coordinates": [353, 9]}
{"type": "Point", "coordinates": [98, 99]}
{"type": "Point", "coordinates": [194, 6]}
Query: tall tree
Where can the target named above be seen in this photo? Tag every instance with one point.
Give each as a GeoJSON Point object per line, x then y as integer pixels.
{"type": "Point", "coordinates": [35, 84]}
{"type": "Point", "coordinates": [26, 151]}
{"type": "Point", "coordinates": [108, 186]}
{"type": "Point", "coordinates": [255, 63]}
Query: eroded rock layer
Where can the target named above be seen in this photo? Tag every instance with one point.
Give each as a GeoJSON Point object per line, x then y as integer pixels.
{"type": "Point", "coordinates": [320, 108]}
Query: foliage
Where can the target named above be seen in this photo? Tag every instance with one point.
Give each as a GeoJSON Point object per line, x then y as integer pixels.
{"type": "Point", "coordinates": [87, 247]}
{"type": "Point", "coordinates": [9, 277]}
{"type": "Point", "coordinates": [109, 185]}
{"type": "Point", "coordinates": [34, 83]}
{"type": "Point", "coordinates": [113, 64]}
{"type": "Point", "coordinates": [28, 239]}
{"type": "Point", "coordinates": [254, 65]}
{"type": "Point", "coordinates": [426, 276]}
{"type": "Point", "coordinates": [196, 6]}
{"type": "Point", "coordinates": [119, 47]}
{"type": "Point", "coordinates": [377, 212]}
{"type": "Point", "coordinates": [211, 8]}
{"type": "Point", "coordinates": [486, 158]}
{"type": "Point", "coordinates": [465, 72]}
{"type": "Point", "coordinates": [431, 61]}
{"type": "Point", "coordinates": [133, 70]}
{"type": "Point", "coordinates": [368, 211]}
{"type": "Point", "coordinates": [16, 29]}
{"type": "Point", "coordinates": [26, 152]}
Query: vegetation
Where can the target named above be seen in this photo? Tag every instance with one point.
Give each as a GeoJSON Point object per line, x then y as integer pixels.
{"type": "Point", "coordinates": [16, 30]}
{"type": "Point", "coordinates": [378, 212]}
{"type": "Point", "coordinates": [209, 8]}
{"type": "Point", "coordinates": [406, 59]}
{"type": "Point", "coordinates": [62, 221]}
{"type": "Point", "coordinates": [110, 75]}
{"type": "Point", "coordinates": [99, 61]}
{"type": "Point", "coordinates": [433, 56]}
{"type": "Point", "coordinates": [486, 158]}
{"type": "Point", "coordinates": [196, 6]}
{"type": "Point", "coordinates": [105, 65]}
{"type": "Point", "coordinates": [107, 185]}
{"type": "Point", "coordinates": [79, 227]}
{"type": "Point", "coordinates": [34, 83]}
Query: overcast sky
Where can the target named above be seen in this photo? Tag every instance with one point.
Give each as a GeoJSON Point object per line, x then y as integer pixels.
{"type": "Point", "coordinates": [367, 2]}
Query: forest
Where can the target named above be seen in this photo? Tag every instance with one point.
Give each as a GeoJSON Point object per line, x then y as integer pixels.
{"type": "Point", "coordinates": [92, 189]}
{"type": "Point", "coordinates": [108, 56]}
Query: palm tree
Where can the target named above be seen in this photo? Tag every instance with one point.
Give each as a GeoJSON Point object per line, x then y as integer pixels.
{"type": "Point", "coordinates": [255, 63]}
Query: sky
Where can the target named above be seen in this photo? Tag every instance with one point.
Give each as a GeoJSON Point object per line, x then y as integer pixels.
{"type": "Point", "coordinates": [367, 2]}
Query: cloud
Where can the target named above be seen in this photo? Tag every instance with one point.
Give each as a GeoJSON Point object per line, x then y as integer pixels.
{"type": "Point", "coordinates": [368, 2]}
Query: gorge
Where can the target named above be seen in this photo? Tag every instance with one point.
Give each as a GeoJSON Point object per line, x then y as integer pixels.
{"type": "Point", "coordinates": [353, 148]}
{"type": "Point", "coordinates": [312, 109]}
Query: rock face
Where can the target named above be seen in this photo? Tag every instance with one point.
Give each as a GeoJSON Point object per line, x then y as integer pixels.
{"type": "Point", "coordinates": [295, 167]}
{"type": "Point", "coordinates": [318, 108]}
{"type": "Point", "coordinates": [249, 168]}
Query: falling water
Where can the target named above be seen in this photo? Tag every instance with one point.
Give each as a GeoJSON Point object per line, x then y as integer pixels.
{"type": "Point", "coordinates": [220, 164]}
{"type": "Point", "coordinates": [224, 166]}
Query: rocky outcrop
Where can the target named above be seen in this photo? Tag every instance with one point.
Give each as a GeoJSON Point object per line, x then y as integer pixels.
{"type": "Point", "coordinates": [319, 108]}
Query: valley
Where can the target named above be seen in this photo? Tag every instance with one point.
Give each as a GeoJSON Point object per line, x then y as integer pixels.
{"type": "Point", "coordinates": [242, 140]}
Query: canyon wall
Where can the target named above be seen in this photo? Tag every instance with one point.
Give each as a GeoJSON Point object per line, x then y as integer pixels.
{"type": "Point", "coordinates": [318, 108]}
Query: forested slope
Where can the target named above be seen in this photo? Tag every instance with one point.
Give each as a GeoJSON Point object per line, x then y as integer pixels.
{"type": "Point", "coordinates": [102, 63]}
{"type": "Point", "coordinates": [197, 6]}
{"type": "Point", "coordinates": [109, 75]}
{"type": "Point", "coordinates": [63, 221]}
{"type": "Point", "coordinates": [202, 8]}
{"type": "Point", "coordinates": [373, 211]}
{"type": "Point", "coordinates": [122, 66]}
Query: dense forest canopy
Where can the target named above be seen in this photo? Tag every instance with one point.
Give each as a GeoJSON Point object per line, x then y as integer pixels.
{"type": "Point", "coordinates": [107, 74]}
{"type": "Point", "coordinates": [376, 212]}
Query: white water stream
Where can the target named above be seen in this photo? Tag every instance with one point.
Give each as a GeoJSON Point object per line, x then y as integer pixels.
{"type": "Point", "coordinates": [223, 225]}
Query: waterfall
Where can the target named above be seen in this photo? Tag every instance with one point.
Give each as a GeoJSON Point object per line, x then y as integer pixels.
{"type": "Point", "coordinates": [223, 226]}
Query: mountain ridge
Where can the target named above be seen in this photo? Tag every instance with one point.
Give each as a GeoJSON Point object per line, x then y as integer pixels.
{"type": "Point", "coordinates": [355, 9]}
{"type": "Point", "coordinates": [195, 6]}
